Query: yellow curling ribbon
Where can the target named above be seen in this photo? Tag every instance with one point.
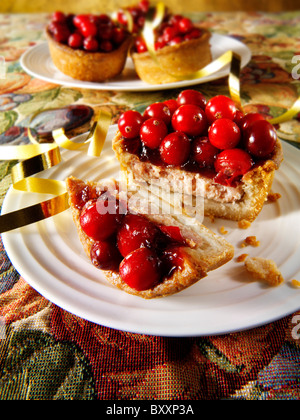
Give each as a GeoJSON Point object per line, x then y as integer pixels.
{"type": "Point", "coordinates": [39, 157]}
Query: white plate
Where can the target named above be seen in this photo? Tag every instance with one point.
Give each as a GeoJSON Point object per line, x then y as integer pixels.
{"type": "Point", "coordinates": [38, 63]}
{"type": "Point", "coordinates": [50, 257]}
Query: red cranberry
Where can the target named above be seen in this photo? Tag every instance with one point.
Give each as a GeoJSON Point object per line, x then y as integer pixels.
{"type": "Point", "coordinates": [152, 132]}
{"type": "Point", "coordinates": [106, 46]}
{"type": "Point", "coordinates": [140, 45]}
{"type": "Point", "coordinates": [79, 20]}
{"type": "Point", "coordinates": [90, 44]}
{"type": "Point", "coordinates": [232, 164]}
{"type": "Point", "coordinates": [220, 106]}
{"type": "Point", "coordinates": [260, 139]}
{"type": "Point", "coordinates": [193, 97]}
{"type": "Point", "coordinates": [60, 32]}
{"type": "Point", "coordinates": [58, 17]}
{"type": "Point", "coordinates": [118, 35]}
{"type": "Point", "coordinates": [190, 119]}
{"type": "Point", "coordinates": [172, 258]}
{"type": "Point", "coordinates": [175, 41]}
{"type": "Point", "coordinates": [249, 119]}
{"type": "Point", "coordinates": [204, 153]}
{"type": "Point", "coordinates": [98, 225]}
{"type": "Point", "coordinates": [105, 255]}
{"type": "Point", "coordinates": [172, 105]}
{"type": "Point", "coordinates": [75, 40]}
{"type": "Point", "coordinates": [141, 269]}
{"type": "Point", "coordinates": [194, 34]}
{"type": "Point", "coordinates": [175, 148]}
{"type": "Point", "coordinates": [130, 123]}
{"type": "Point", "coordinates": [88, 29]}
{"type": "Point", "coordinates": [136, 231]}
{"type": "Point", "coordinates": [170, 33]}
{"type": "Point", "coordinates": [158, 110]}
{"type": "Point", "coordinates": [224, 134]}
{"type": "Point", "coordinates": [185, 25]}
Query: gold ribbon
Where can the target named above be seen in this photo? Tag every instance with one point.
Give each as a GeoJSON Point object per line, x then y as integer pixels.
{"type": "Point", "coordinates": [39, 157]}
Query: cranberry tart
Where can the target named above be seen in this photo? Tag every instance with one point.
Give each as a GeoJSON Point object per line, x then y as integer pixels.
{"type": "Point", "coordinates": [87, 47]}
{"type": "Point", "coordinates": [208, 150]}
{"type": "Point", "coordinates": [181, 48]}
{"type": "Point", "coordinates": [144, 254]}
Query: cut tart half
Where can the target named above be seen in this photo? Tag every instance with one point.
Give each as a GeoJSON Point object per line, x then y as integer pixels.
{"type": "Point", "coordinates": [148, 255]}
{"type": "Point", "coordinates": [207, 151]}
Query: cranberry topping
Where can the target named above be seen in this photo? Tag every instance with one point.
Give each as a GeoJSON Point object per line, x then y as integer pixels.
{"type": "Point", "coordinates": [224, 134]}
{"type": "Point", "coordinates": [136, 231]}
{"type": "Point", "coordinates": [260, 138]}
{"type": "Point", "coordinates": [152, 132]}
{"type": "Point", "coordinates": [229, 129]}
{"type": "Point", "coordinates": [130, 123]}
{"type": "Point", "coordinates": [92, 33]}
{"type": "Point", "coordinates": [141, 269]}
{"type": "Point", "coordinates": [97, 222]}
{"type": "Point", "coordinates": [158, 110]}
{"type": "Point", "coordinates": [175, 148]}
{"type": "Point", "coordinates": [220, 106]}
{"type": "Point", "coordinates": [105, 255]}
{"type": "Point", "coordinates": [190, 119]}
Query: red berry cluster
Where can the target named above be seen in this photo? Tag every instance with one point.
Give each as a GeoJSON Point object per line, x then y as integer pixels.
{"type": "Point", "coordinates": [91, 33]}
{"type": "Point", "coordinates": [138, 15]}
{"type": "Point", "coordinates": [174, 30]}
{"type": "Point", "coordinates": [142, 252]}
{"type": "Point", "coordinates": [190, 131]}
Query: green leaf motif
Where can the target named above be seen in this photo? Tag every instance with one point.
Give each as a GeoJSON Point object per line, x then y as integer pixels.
{"type": "Point", "coordinates": [36, 367]}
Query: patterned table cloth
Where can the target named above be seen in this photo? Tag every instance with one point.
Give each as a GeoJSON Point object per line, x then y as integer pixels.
{"type": "Point", "coordinates": [48, 353]}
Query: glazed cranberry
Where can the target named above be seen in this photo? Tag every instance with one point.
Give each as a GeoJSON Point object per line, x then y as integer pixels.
{"type": "Point", "coordinates": [98, 225]}
{"type": "Point", "coordinates": [105, 255]}
{"type": "Point", "coordinates": [60, 32]}
{"type": "Point", "coordinates": [88, 29]}
{"type": "Point", "coordinates": [173, 232]}
{"type": "Point", "coordinates": [152, 132]}
{"type": "Point", "coordinates": [136, 231]}
{"type": "Point", "coordinates": [90, 44]}
{"type": "Point", "coordinates": [118, 35]}
{"type": "Point", "coordinates": [158, 110]}
{"type": "Point", "coordinates": [59, 17]}
{"type": "Point", "coordinates": [260, 139]}
{"type": "Point", "coordinates": [106, 46]}
{"type": "Point", "coordinates": [175, 148]}
{"type": "Point", "coordinates": [238, 119]}
{"type": "Point", "coordinates": [144, 5]}
{"type": "Point", "coordinates": [175, 41]}
{"type": "Point", "coordinates": [141, 269]}
{"type": "Point", "coordinates": [172, 105]}
{"type": "Point", "coordinates": [250, 118]}
{"type": "Point", "coordinates": [171, 259]}
{"type": "Point", "coordinates": [140, 45]}
{"type": "Point", "coordinates": [105, 32]}
{"type": "Point", "coordinates": [185, 25]}
{"type": "Point", "coordinates": [130, 123]}
{"type": "Point", "coordinates": [193, 97]}
{"type": "Point", "coordinates": [190, 119]}
{"type": "Point", "coordinates": [232, 164]}
{"type": "Point", "coordinates": [220, 106]}
{"type": "Point", "coordinates": [170, 33]}
{"type": "Point", "coordinates": [204, 153]}
{"type": "Point", "coordinates": [224, 134]}
{"type": "Point", "coordinates": [79, 20]}
{"type": "Point", "coordinates": [194, 34]}
{"type": "Point", "coordinates": [75, 40]}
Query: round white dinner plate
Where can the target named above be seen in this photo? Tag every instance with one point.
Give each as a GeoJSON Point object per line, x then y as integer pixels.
{"type": "Point", "coordinates": [37, 62]}
{"type": "Point", "coordinates": [49, 255]}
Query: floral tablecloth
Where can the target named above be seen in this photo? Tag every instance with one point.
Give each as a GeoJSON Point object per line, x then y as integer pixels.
{"type": "Point", "coordinates": [48, 353]}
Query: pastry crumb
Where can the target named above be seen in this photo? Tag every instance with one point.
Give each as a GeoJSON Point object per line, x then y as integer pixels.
{"type": "Point", "coordinates": [223, 231]}
{"type": "Point", "coordinates": [295, 283]}
{"type": "Point", "coordinates": [265, 270]}
{"type": "Point", "coordinates": [244, 224]}
{"type": "Point", "coordinates": [241, 258]}
{"type": "Point", "coordinates": [250, 240]}
{"type": "Point", "coordinates": [272, 197]}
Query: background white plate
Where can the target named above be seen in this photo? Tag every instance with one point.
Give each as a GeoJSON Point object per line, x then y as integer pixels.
{"type": "Point", "coordinates": [37, 62]}
{"type": "Point", "coordinates": [50, 257]}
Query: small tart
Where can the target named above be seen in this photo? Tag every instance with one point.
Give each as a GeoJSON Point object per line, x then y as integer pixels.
{"type": "Point", "coordinates": [202, 251]}
{"type": "Point", "coordinates": [174, 62]}
{"type": "Point", "coordinates": [88, 66]}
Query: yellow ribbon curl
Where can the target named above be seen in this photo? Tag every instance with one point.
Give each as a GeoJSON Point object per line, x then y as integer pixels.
{"type": "Point", "coordinates": [36, 158]}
